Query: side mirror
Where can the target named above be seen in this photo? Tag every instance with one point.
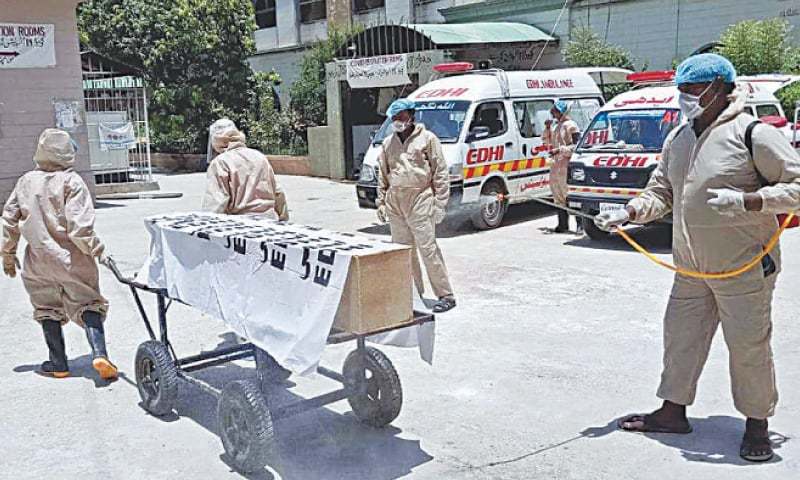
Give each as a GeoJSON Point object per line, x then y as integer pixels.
{"type": "Point", "coordinates": [478, 133]}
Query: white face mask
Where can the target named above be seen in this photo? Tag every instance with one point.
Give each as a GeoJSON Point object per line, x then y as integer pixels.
{"type": "Point", "coordinates": [690, 104]}
{"type": "Point", "coordinates": [399, 126]}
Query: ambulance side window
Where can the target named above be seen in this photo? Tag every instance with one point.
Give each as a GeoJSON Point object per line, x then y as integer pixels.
{"type": "Point", "coordinates": [531, 115]}
{"type": "Point", "coordinates": [491, 115]}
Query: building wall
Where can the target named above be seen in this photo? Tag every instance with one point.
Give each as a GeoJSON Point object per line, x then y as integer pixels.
{"type": "Point", "coordinates": [286, 62]}
{"type": "Point", "coordinates": [427, 11]}
{"type": "Point", "coordinates": [26, 95]}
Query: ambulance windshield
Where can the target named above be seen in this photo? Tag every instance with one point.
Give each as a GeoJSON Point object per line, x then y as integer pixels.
{"type": "Point", "coordinates": [630, 130]}
{"type": "Point", "coordinates": [444, 118]}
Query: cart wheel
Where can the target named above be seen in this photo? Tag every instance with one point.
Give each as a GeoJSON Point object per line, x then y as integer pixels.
{"type": "Point", "coordinates": [245, 426]}
{"type": "Point", "coordinates": [156, 378]}
{"type": "Point", "coordinates": [382, 398]}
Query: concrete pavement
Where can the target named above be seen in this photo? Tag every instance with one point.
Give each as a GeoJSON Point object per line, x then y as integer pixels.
{"type": "Point", "coordinates": [554, 338]}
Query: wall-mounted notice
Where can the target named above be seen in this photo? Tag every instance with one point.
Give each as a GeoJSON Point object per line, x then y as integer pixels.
{"type": "Point", "coordinates": [27, 45]}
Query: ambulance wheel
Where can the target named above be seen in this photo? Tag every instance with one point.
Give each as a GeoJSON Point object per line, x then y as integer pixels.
{"type": "Point", "coordinates": [156, 378]}
{"type": "Point", "coordinates": [490, 211]}
{"type": "Point", "coordinates": [593, 231]}
{"type": "Point", "coordinates": [245, 426]}
{"type": "Point", "coordinates": [378, 395]}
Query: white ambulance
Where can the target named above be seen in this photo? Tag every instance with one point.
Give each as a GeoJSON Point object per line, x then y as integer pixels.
{"type": "Point", "coordinates": [622, 146]}
{"type": "Point", "coordinates": [490, 123]}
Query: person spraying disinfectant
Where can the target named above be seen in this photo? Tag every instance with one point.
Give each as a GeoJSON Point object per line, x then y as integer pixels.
{"type": "Point", "coordinates": [724, 177]}
{"type": "Point", "coordinates": [413, 191]}
{"type": "Point", "coordinates": [51, 207]}
{"type": "Point", "coordinates": [562, 141]}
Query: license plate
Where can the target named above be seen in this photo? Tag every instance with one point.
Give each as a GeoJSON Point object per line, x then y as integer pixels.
{"type": "Point", "coordinates": [362, 194]}
{"type": "Point", "coordinates": [610, 207]}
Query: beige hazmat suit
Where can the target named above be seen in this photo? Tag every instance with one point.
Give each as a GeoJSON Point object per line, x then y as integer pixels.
{"type": "Point", "coordinates": [241, 180]}
{"type": "Point", "coordinates": [561, 140]}
{"type": "Point", "coordinates": [706, 241]}
{"type": "Point", "coordinates": [413, 185]}
{"type": "Point", "coordinates": [51, 207]}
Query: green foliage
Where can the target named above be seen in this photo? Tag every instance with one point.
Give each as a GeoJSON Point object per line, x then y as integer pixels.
{"type": "Point", "coordinates": [192, 53]}
{"type": "Point", "coordinates": [759, 46]}
{"type": "Point", "coordinates": [309, 92]}
{"type": "Point", "coordinates": [789, 96]}
{"type": "Point", "coordinates": [586, 49]}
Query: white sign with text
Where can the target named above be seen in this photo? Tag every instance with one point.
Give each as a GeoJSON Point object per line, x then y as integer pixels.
{"type": "Point", "coordinates": [27, 45]}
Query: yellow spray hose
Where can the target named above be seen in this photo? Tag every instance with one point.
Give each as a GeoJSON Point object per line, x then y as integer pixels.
{"type": "Point", "coordinates": [689, 273]}
{"type": "Point", "coordinates": [710, 276]}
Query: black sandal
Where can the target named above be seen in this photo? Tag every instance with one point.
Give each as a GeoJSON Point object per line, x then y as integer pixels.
{"type": "Point", "coordinates": [649, 426]}
{"type": "Point", "coordinates": [444, 304]}
{"type": "Point", "coordinates": [756, 449]}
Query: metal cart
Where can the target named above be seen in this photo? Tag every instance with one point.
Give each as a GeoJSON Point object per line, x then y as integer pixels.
{"type": "Point", "coordinates": [369, 381]}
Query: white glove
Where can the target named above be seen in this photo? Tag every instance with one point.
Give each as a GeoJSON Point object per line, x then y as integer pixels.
{"type": "Point", "coordinates": [383, 217]}
{"type": "Point", "coordinates": [438, 215]}
{"type": "Point", "coordinates": [726, 201]}
{"type": "Point", "coordinates": [606, 221]}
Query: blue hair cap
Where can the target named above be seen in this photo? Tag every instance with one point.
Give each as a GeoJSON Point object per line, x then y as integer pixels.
{"type": "Point", "coordinates": [561, 106]}
{"type": "Point", "coordinates": [705, 68]}
{"type": "Point", "coordinates": [399, 105]}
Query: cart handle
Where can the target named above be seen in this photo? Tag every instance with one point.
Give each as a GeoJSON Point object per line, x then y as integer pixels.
{"type": "Point", "coordinates": [112, 265]}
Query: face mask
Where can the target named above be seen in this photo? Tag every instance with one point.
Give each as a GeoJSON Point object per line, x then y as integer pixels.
{"type": "Point", "coordinates": [690, 104]}
{"type": "Point", "coordinates": [399, 126]}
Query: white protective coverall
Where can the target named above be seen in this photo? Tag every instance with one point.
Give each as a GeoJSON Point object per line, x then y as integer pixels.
{"type": "Point", "coordinates": [706, 241]}
{"type": "Point", "coordinates": [413, 185]}
{"type": "Point", "coordinates": [52, 208]}
{"type": "Point", "coordinates": [561, 140]}
{"type": "Point", "coordinates": [241, 180]}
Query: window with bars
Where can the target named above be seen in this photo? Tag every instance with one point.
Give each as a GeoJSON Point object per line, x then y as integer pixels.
{"type": "Point", "coordinates": [312, 10]}
{"type": "Point", "coordinates": [366, 5]}
{"type": "Point", "coordinates": [265, 13]}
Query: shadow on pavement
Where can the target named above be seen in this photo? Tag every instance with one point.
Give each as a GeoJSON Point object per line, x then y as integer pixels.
{"type": "Point", "coordinates": [714, 439]}
{"type": "Point", "coordinates": [79, 367]}
{"type": "Point", "coordinates": [100, 205]}
{"type": "Point", "coordinates": [318, 444]}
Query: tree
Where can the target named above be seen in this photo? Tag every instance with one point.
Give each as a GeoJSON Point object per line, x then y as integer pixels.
{"type": "Point", "coordinates": [586, 49]}
{"type": "Point", "coordinates": [193, 54]}
{"type": "Point", "coordinates": [309, 94]}
{"type": "Point", "coordinates": [759, 46]}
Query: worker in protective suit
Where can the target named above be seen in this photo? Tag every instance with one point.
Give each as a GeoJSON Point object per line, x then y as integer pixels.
{"type": "Point", "coordinates": [413, 190]}
{"type": "Point", "coordinates": [51, 207]}
{"type": "Point", "coordinates": [562, 141]}
{"type": "Point", "coordinates": [723, 200]}
{"type": "Point", "coordinates": [240, 179]}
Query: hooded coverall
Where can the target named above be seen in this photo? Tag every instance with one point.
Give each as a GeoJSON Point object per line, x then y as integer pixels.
{"type": "Point", "coordinates": [52, 208]}
{"type": "Point", "coordinates": [706, 241]}
{"type": "Point", "coordinates": [241, 181]}
{"type": "Point", "coordinates": [561, 140]}
{"type": "Point", "coordinates": [413, 184]}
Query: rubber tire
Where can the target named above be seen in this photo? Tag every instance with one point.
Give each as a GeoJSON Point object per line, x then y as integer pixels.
{"type": "Point", "coordinates": [479, 220]}
{"type": "Point", "coordinates": [242, 400]}
{"type": "Point", "coordinates": [593, 231]}
{"type": "Point", "coordinates": [383, 382]}
{"type": "Point", "coordinates": [163, 400]}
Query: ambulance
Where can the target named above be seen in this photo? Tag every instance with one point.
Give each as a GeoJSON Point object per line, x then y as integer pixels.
{"type": "Point", "coordinates": [490, 124]}
{"type": "Point", "coordinates": [620, 149]}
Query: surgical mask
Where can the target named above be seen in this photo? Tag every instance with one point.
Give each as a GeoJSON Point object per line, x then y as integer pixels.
{"type": "Point", "coordinates": [399, 126]}
{"type": "Point", "coordinates": [690, 104]}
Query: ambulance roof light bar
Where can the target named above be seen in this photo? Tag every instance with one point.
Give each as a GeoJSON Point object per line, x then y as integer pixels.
{"type": "Point", "coordinates": [656, 76]}
{"type": "Point", "coordinates": [455, 67]}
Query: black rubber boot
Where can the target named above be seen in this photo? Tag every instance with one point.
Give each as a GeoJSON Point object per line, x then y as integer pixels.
{"type": "Point", "coordinates": [563, 222]}
{"type": "Point", "coordinates": [93, 324]}
{"type": "Point", "coordinates": [57, 366]}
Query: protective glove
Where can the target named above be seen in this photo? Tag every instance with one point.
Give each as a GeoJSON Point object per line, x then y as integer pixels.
{"type": "Point", "coordinates": [10, 265]}
{"type": "Point", "coordinates": [438, 215]}
{"type": "Point", "coordinates": [606, 221]}
{"type": "Point", "coordinates": [383, 217]}
{"type": "Point", "coordinates": [726, 201]}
